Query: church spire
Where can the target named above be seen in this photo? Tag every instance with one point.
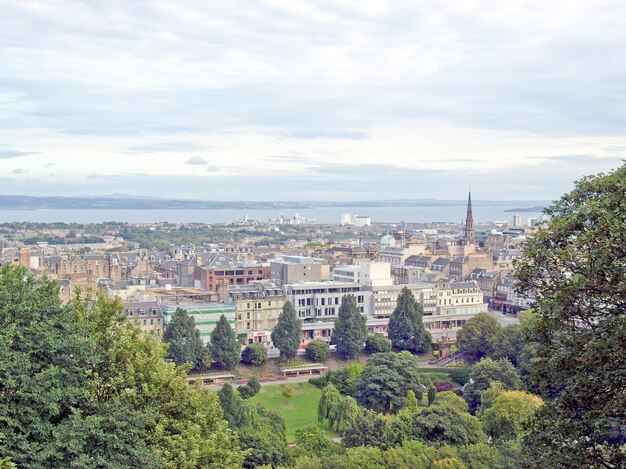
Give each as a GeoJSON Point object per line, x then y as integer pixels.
{"type": "Point", "coordinates": [469, 221]}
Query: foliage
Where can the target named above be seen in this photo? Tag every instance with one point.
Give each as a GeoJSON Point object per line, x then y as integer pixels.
{"type": "Point", "coordinates": [339, 410]}
{"type": "Point", "coordinates": [286, 332]}
{"type": "Point", "coordinates": [387, 378]}
{"type": "Point", "coordinates": [350, 328]}
{"type": "Point", "coordinates": [94, 389]}
{"type": "Point", "coordinates": [342, 379]}
{"type": "Point", "coordinates": [263, 436]}
{"type": "Point", "coordinates": [485, 372]}
{"type": "Point", "coordinates": [250, 389]}
{"type": "Point", "coordinates": [377, 343]}
{"type": "Point", "coordinates": [185, 344]}
{"type": "Point", "coordinates": [437, 425]}
{"type": "Point", "coordinates": [443, 386]}
{"type": "Point", "coordinates": [411, 404]}
{"type": "Point", "coordinates": [318, 350]}
{"type": "Point", "coordinates": [406, 329]}
{"type": "Point", "coordinates": [574, 268]}
{"type": "Point", "coordinates": [366, 429]}
{"type": "Point", "coordinates": [478, 335]}
{"type": "Point", "coordinates": [225, 347]}
{"type": "Point", "coordinates": [450, 400]}
{"type": "Point", "coordinates": [313, 440]}
{"type": "Point", "coordinates": [509, 414]}
{"type": "Point", "coordinates": [459, 374]}
{"type": "Point", "coordinates": [431, 393]}
{"type": "Point", "coordinates": [253, 383]}
{"type": "Point", "coordinates": [289, 391]}
{"type": "Point", "coordinates": [254, 354]}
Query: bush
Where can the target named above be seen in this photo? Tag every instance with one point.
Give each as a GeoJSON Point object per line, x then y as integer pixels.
{"type": "Point", "coordinates": [444, 386]}
{"type": "Point", "coordinates": [377, 343]}
{"type": "Point", "coordinates": [250, 389]}
{"type": "Point", "coordinates": [254, 384]}
{"type": "Point", "coordinates": [318, 350]}
{"type": "Point", "coordinates": [254, 354]}
{"type": "Point", "coordinates": [460, 375]}
{"type": "Point", "coordinates": [245, 392]}
{"type": "Point", "coordinates": [289, 392]}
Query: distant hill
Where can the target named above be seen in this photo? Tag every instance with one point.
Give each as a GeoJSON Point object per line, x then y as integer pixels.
{"type": "Point", "coordinates": [127, 202]}
{"type": "Point", "coordinates": [535, 209]}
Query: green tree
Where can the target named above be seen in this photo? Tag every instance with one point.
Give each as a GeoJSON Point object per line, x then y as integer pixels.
{"type": "Point", "coordinates": [386, 380]}
{"type": "Point", "coordinates": [367, 429]}
{"type": "Point", "coordinates": [509, 343]}
{"type": "Point", "coordinates": [185, 344]}
{"type": "Point", "coordinates": [411, 403]}
{"type": "Point", "coordinates": [350, 328]}
{"type": "Point", "coordinates": [406, 329]}
{"type": "Point", "coordinates": [254, 354]}
{"type": "Point", "coordinates": [509, 414]}
{"type": "Point", "coordinates": [484, 373]}
{"type": "Point", "coordinates": [377, 343]}
{"type": "Point", "coordinates": [225, 347]}
{"type": "Point", "coordinates": [262, 436]}
{"type": "Point", "coordinates": [287, 331]}
{"type": "Point", "coordinates": [232, 406]}
{"type": "Point", "coordinates": [318, 351]}
{"type": "Point", "coordinates": [574, 268]}
{"type": "Point", "coordinates": [431, 393]}
{"type": "Point", "coordinates": [451, 400]}
{"type": "Point", "coordinates": [313, 439]}
{"type": "Point", "coordinates": [478, 335]}
{"type": "Point", "coordinates": [437, 425]}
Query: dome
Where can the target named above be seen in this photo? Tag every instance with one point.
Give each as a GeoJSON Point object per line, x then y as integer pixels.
{"type": "Point", "coordinates": [387, 240]}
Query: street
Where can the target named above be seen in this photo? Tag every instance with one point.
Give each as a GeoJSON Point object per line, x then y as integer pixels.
{"type": "Point", "coordinates": [504, 319]}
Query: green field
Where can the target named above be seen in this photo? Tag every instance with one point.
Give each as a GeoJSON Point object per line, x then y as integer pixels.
{"type": "Point", "coordinates": [298, 410]}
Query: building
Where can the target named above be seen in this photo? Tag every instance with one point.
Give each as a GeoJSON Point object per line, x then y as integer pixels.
{"type": "Point", "coordinates": [397, 255]}
{"type": "Point", "coordinates": [206, 315]}
{"type": "Point", "coordinates": [257, 307]}
{"type": "Point", "coordinates": [517, 221]}
{"type": "Point", "coordinates": [223, 268]}
{"type": "Point", "coordinates": [460, 267]}
{"type": "Point", "coordinates": [486, 281]}
{"type": "Point", "coordinates": [507, 299]}
{"type": "Point", "coordinates": [346, 219]}
{"type": "Point", "coordinates": [365, 273]}
{"type": "Point", "coordinates": [317, 305]}
{"type": "Point", "coordinates": [147, 314]}
{"type": "Point", "coordinates": [360, 221]}
{"type": "Point", "coordinates": [293, 269]}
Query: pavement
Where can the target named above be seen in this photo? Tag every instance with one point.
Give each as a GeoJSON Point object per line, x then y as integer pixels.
{"type": "Point", "coordinates": [504, 319]}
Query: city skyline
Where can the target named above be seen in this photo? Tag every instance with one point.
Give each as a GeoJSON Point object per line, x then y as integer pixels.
{"type": "Point", "coordinates": [278, 100]}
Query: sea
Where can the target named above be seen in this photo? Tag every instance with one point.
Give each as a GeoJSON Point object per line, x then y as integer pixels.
{"type": "Point", "coordinates": [482, 213]}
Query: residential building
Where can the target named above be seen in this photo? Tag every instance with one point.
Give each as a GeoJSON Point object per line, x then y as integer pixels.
{"type": "Point", "coordinates": [147, 314]}
{"type": "Point", "coordinates": [294, 269]}
{"type": "Point", "coordinates": [206, 315]}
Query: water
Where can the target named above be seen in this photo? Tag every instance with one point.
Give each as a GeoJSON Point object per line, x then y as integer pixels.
{"type": "Point", "coordinates": [321, 215]}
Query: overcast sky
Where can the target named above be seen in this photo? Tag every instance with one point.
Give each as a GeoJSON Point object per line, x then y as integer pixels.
{"type": "Point", "coordinates": [299, 100]}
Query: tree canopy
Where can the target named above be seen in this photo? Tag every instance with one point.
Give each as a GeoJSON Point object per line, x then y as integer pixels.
{"type": "Point", "coordinates": [478, 335]}
{"type": "Point", "coordinates": [286, 332]}
{"type": "Point", "coordinates": [406, 329]}
{"type": "Point", "coordinates": [574, 267]}
{"type": "Point", "coordinates": [386, 380]}
{"type": "Point", "coordinates": [185, 343]}
{"type": "Point", "coordinates": [225, 348]}
{"type": "Point", "coordinates": [350, 328]}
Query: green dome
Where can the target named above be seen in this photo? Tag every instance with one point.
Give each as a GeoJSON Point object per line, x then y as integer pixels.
{"type": "Point", "coordinates": [386, 240]}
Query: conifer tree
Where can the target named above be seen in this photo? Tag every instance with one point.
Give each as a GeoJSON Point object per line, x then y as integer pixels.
{"type": "Point", "coordinates": [185, 344]}
{"type": "Point", "coordinates": [406, 329]}
{"type": "Point", "coordinates": [350, 328]}
{"type": "Point", "coordinates": [286, 333]}
{"type": "Point", "coordinates": [225, 347]}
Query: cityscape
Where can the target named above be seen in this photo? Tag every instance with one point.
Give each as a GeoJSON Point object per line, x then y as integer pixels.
{"type": "Point", "coordinates": [303, 234]}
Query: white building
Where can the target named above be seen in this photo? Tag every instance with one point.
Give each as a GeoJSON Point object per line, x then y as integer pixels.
{"type": "Point", "coordinates": [517, 221]}
{"type": "Point", "coordinates": [317, 305]}
{"type": "Point", "coordinates": [361, 221]}
{"type": "Point", "coordinates": [365, 273]}
{"type": "Point", "coordinates": [346, 219]}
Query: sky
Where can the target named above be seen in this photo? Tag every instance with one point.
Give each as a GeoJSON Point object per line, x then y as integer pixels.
{"type": "Point", "coordinates": [310, 100]}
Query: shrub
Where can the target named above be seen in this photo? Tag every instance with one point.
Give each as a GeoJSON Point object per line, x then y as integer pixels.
{"type": "Point", "coordinates": [460, 375]}
{"type": "Point", "coordinates": [254, 354]}
{"type": "Point", "coordinates": [254, 384]}
{"type": "Point", "coordinates": [289, 392]}
{"type": "Point", "coordinates": [317, 350]}
{"type": "Point", "coordinates": [444, 386]}
{"type": "Point", "coordinates": [245, 392]}
{"type": "Point", "coordinates": [377, 343]}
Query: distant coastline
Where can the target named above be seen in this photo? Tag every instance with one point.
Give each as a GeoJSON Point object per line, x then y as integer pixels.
{"type": "Point", "coordinates": [19, 202]}
{"type": "Point", "coordinates": [535, 209]}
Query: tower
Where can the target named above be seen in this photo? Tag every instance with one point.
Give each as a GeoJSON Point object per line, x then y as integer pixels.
{"type": "Point", "coordinates": [469, 222]}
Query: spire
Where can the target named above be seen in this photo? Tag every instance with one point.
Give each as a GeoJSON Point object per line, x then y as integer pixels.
{"type": "Point", "coordinates": [469, 221]}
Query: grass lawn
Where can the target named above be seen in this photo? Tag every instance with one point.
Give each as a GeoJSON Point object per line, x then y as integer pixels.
{"type": "Point", "coordinates": [298, 410]}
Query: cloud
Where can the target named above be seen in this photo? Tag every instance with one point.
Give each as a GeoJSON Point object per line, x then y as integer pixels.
{"type": "Point", "coordinates": [197, 160]}
{"type": "Point", "coordinates": [165, 147]}
{"type": "Point", "coordinates": [19, 171]}
{"type": "Point", "coordinates": [212, 168]}
{"type": "Point", "coordinates": [6, 154]}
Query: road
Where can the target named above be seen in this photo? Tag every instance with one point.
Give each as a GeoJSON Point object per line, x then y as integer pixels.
{"type": "Point", "coordinates": [504, 319]}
